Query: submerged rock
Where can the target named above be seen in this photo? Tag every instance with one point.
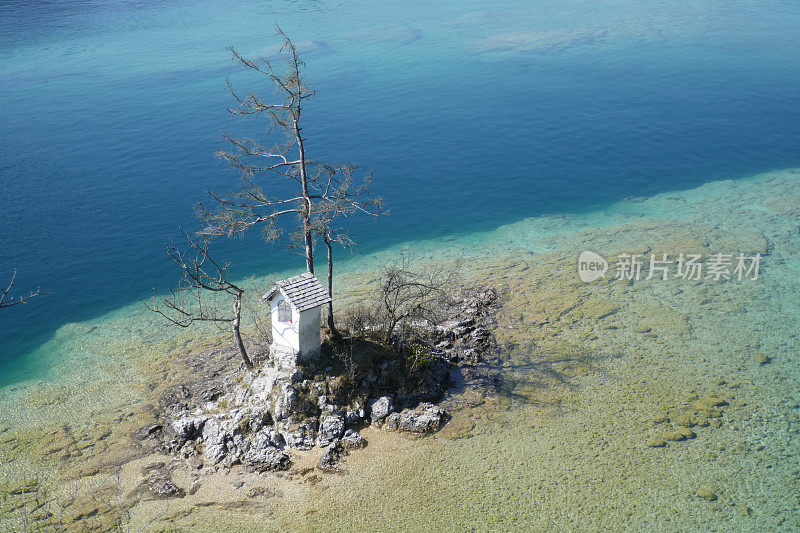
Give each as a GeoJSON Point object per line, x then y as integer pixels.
{"type": "Point", "coordinates": [158, 484]}
{"type": "Point", "coordinates": [424, 418]}
{"type": "Point", "coordinates": [762, 359]}
{"type": "Point", "coordinates": [706, 494]}
{"type": "Point", "coordinates": [660, 419]}
{"type": "Point", "coordinates": [675, 436]}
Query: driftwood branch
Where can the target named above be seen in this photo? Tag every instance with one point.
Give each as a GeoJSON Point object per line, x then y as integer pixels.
{"type": "Point", "coordinates": [8, 301]}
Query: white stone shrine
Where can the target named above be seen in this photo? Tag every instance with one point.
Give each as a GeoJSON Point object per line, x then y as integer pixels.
{"type": "Point", "coordinates": [296, 305]}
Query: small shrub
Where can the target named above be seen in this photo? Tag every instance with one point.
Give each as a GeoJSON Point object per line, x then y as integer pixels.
{"type": "Point", "coordinates": [417, 356]}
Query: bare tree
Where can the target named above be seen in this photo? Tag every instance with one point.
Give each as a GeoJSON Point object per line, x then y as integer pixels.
{"type": "Point", "coordinates": [8, 301]}
{"type": "Point", "coordinates": [409, 294]}
{"type": "Point", "coordinates": [202, 277]}
{"type": "Point", "coordinates": [339, 198]}
{"type": "Point", "coordinates": [250, 205]}
{"type": "Point", "coordinates": [325, 192]}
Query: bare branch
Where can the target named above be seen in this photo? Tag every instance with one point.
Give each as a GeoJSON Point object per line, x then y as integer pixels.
{"type": "Point", "coordinates": [201, 275]}
{"type": "Point", "coordinates": [8, 301]}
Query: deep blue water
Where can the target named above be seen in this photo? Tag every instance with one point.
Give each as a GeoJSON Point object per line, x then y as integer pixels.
{"type": "Point", "coordinates": [111, 113]}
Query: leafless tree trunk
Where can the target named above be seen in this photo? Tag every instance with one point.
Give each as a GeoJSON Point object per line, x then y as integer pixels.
{"type": "Point", "coordinates": [202, 277]}
{"type": "Point", "coordinates": [326, 237]}
{"type": "Point", "coordinates": [8, 301]}
{"type": "Point", "coordinates": [337, 199]}
{"type": "Point", "coordinates": [250, 206]}
{"type": "Point", "coordinates": [325, 192]}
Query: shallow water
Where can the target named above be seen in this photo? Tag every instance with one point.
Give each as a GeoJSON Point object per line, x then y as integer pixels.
{"type": "Point", "coordinates": [587, 366]}
{"type": "Point", "coordinates": [570, 450]}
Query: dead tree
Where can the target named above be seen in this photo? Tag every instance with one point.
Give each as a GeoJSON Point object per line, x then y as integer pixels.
{"type": "Point", "coordinates": [324, 192]}
{"type": "Point", "coordinates": [415, 294]}
{"type": "Point", "coordinates": [251, 205]}
{"type": "Point", "coordinates": [202, 278]}
{"type": "Point", "coordinates": [336, 197]}
{"type": "Point", "coordinates": [8, 301]}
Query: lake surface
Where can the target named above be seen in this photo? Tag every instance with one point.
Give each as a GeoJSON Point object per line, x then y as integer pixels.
{"type": "Point", "coordinates": [471, 117]}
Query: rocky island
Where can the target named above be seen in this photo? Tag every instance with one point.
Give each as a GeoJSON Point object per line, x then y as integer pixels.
{"type": "Point", "coordinates": [258, 418]}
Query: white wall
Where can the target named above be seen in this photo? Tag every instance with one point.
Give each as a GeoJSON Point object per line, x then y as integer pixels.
{"type": "Point", "coordinates": [285, 335]}
{"type": "Point", "coordinates": [310, 333]}
{"type": "Point", "coordinates": [302, 335]}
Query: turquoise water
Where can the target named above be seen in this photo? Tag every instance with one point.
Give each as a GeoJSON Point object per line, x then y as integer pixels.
{"type": "Point", "coordinates": [471, 117]}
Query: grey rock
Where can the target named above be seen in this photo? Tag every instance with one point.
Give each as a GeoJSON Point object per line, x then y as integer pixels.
{"type": "Point", "coordinates": [460, 331]}
{"type": "Point", "coordinates": [189, 449]}
{"type": "Point", "coordinates": [158, 484]}
{"type": "Point", "coordinates": [211, 393]}
{"type": "Point", "coordinates": [300, 437]}
{"type": "Point", "coordinates": [467, 322]}
{"type": "Point", "coordinates": [188, 428]}
{"type": "Point", "coordinates": [393, 421]}
{"type": "Point", "coordinates": [215, 439]}
{"type": "Point", "coordinates": [470, 354]}
{"type": "Point", "coordinates": [380, 408]}
{"type": "Point", "coordinates": [331, 427]}
{"type": "Point", "coordinates": [352, 440]}
{"type": "Point", "coordinates": [424, 418]}
{"type": "Point", "coordinates": [480, 333]}
{"type": "Point", "coordinates": [254, 419]}
{"type": "Point", "coordinates": [162, 488]}
{"type": "Point", "coordinates": [329, 460]}
{"type": "Point", "coordinates": [149, 430]}
{"type": "Point", "coordinates": [352, 418]}
{"type": "Point", "coordinates": [284, 401]}
{"type": "Point", "coordinates": [266, 452]}
{"type": "Point", "coordinates": [262, 386]}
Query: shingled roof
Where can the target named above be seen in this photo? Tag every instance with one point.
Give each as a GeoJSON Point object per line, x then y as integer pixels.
{"type": "Point", "coordinates": [303, 291]}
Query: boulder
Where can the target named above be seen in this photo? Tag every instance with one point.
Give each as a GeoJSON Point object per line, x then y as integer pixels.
{"type": "Point", "coordinates": [215, 440]}
{"type": "Point", "coordinates": [354, 417]}
{"type": "Point", "coordinates": [424, 418]}
{"type": "Point", "coordinates": [352, 440]}
{"type": "Point", "coordinates": [188, 427]}
{"type": "Point", "coordinates": [299, 436]}
{"type": "Point", "coordinates": [380, 408]}
{"type": "Point", "coordinates": [266, 452]}
{"type": "Point", "coordinates": [329, 460]}
{"type": "Point", "coordinates": [331, 427]}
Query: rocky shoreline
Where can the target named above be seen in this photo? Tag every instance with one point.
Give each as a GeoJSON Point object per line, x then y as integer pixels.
{"type": "Point", "coordinates": [257, 419]}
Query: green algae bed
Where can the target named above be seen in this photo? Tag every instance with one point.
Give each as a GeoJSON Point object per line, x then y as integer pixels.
{"type": "Point", "coordinates": [627, 404]}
